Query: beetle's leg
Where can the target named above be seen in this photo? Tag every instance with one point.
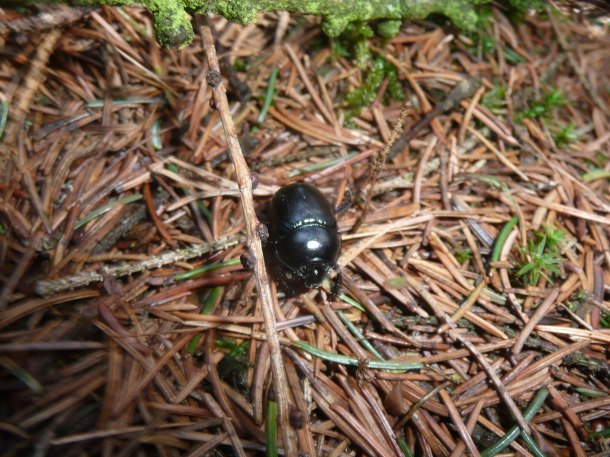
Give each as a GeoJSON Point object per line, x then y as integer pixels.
{"type": "Point", "coordinates": [335, 289]}
{"type": "Point", "coordinates": [346, 203]}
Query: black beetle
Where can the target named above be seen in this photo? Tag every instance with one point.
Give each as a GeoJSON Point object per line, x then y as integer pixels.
{"type": "Point", "coordinates": [304, 240]}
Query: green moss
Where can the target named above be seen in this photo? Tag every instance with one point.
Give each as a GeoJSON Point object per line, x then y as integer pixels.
{"type": "Point", "coordinates": [364, 95]}
{"type": "Point", "coordinates": [395, 90]}
{"type": "Point", "coordinates": [240, 64]}
{"type": "Point", "coordinates": [242, 12]}
{"type": "Point", "coordinates": [171, 22]}
{"type": "Point", "coordinates": [173, 28]}
{"type": "Point", "coordinates": [483, 42]}
{"type": "Point", "coordinates": [354, 43]}
{"type": "Point", "coordinates": [587, 364]}
{"type": "Point", "coordinates": [233, 368]}
{"type": "Point", "coordinates": [495, 99]}
{"type": "Point", "coordinates": [544, 106]}
{"type": "Point", "coordinates": [389, 29]}
{"type": "Point", "coordinates": [339, 14]}
{"type": "Point", "coordinates": [579, 299]}
{"type": "Point", "coordinates": [565, 135]}
{"type": "Point", "coordinates": [487, 44]}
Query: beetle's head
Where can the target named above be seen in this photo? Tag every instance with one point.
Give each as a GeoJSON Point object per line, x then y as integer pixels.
{"type": "Point", "coordinates": [305, 256]}
{"type": "Point", "coordinates": [313, 273]}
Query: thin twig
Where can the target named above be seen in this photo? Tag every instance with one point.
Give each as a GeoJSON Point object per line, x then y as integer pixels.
{"type": "Point", "coordinates": [255, 249]}
{"type": "Point", "coordinates": [378, 163]}
{"type": "Point", "coordinates": [541, 311]}
{"type": "Point", "coordinates": [459, 424]}
{"type": "Point", "coordinates": [54, 286]}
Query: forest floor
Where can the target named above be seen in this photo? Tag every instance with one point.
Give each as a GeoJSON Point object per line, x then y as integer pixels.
{"type": "Point", "coordinates": [128, 325]}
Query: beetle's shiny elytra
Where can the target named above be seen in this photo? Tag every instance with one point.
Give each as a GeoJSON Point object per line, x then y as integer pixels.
{"type": "Point", "coordinates": [304, 237]}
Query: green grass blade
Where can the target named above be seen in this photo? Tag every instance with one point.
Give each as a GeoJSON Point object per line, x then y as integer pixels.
{"type": "Point", "coordinates": [354, 362]}
{"type": "Point", "coordinates": [271, 429]}
{"type": "Point", "coordinates": [269, 95]}
{"type": "Point", "coordinates": [515, 431]}
{"type": "Point", "coordinates": [495, 255]}
{"type": "Point", "coordinates": [206, 269]}
{"type": "Point", "coordinates": [104, 209]}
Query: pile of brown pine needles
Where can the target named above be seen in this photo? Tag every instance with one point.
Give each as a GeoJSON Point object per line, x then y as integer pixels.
{"type": "Point", "coordinates": [474, 318]}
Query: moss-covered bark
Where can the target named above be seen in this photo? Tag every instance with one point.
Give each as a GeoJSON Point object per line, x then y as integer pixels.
{"type": "Point", "coordinates": [173, 27]}
{"type": "Point", "coordinates": [338, 13]}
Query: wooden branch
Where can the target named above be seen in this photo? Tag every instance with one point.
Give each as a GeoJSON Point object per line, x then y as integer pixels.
{"type": "Point", "coordinates": [47, 287]}
{"type": "Point", "coordinates": [253, 234]}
